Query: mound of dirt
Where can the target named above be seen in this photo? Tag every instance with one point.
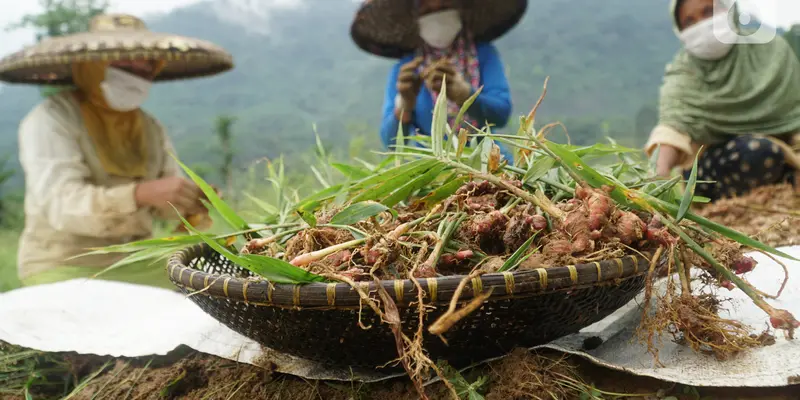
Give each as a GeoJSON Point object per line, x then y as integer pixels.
{"type": "Point", "coordinates": [770, 213]}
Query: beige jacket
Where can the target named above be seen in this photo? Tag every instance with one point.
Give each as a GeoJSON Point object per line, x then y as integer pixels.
{"type": "Point", "coordinates": [71, 203]}
{"type": "Point", "coordinates": [688, 149]}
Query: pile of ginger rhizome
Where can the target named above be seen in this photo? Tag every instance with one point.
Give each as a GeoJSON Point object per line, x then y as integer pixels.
{"type": "Point", "coordinates": [485, 224]}
{"type": "Point", "coordinates": [486, 228]}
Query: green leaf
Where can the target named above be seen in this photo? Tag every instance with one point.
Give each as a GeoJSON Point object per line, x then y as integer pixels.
{"type": "Point", "coordinates": [486, 150]}
{"type": "Point", "coordinates": [319, 177]}
{"type": "Point", "coordinates": [351, 172]}
{"type": "Point", "coordinates": [268, 208]}
{"type": "Point", "coordinates": [145, 244]}
{"type": "Point", "coordinates": [322, 195]}
{"type": "Point", "coordinates": [701, 199]}
{"type": "Point", "coordinates": [439, 123]}
{"type": "Point", "coordinates": [358, 212]}
{"type": "Point", "coordinates": [155, 254]}
{"type": "Point", "coordinates": [415, 184]}
{"type": "Point", "coordinates": [516, 258]}
{"type": "Point", "coordinates": [664, 187]}
{"type": "Point", "coordinates": [444, 191]}
{"type": "Point", "coordinates": [269, 268]}
{"type": "Point", "coordinates": [390, 173]}
{"type": "Point", "coordinates": [412, 171]}
{"type": "Point", "coordinates": [234, 220]}
{"type": "Point", "coordinates": [308, 217]}
{"type": "Point", "coordinates": [464, 108]}
{"type": "Point", "coordinates": [540, 167]}
{"type": "Point", "coordinates": [689, 193]}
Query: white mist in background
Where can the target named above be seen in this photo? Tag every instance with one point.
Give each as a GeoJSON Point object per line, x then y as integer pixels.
{"type": "Point", "coordinates": [254, 15]}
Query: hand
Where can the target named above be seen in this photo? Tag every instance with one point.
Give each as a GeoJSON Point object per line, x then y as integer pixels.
{"type": "Point", "coordinates": [458, 89]}
{"type": "Point", "coordinates": [667, 160]}
{"type": "Point", "coordinates": [409, 83]}
{"type": "Point", "coordinates": [164, 193]}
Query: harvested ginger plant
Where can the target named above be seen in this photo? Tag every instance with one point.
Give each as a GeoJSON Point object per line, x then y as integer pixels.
{"type": "Point", "coordinates": [487, 224]}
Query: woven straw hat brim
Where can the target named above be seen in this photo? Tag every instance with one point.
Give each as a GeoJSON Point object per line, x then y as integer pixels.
{"type": "Point", "coordinates": [49, 61]}
{"type": "Point", "coordinates": [388, 28]}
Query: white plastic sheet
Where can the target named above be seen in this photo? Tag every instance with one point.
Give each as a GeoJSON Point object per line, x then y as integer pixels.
{"type": "Point", "coordinates": [123, 320]}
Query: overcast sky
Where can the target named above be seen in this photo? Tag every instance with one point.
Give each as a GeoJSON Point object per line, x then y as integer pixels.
{"type": "Point", "coordinates": [781, 13]}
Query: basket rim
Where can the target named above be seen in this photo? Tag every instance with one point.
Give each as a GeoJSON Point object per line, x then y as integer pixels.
{"type": "Point", "coordinates": [440, 290]}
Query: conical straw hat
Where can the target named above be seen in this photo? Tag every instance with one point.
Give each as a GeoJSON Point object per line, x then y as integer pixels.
{"type": "Point", "coordinates": [113, 37]}
{"type": "Point", "coordinates": [388, 28]}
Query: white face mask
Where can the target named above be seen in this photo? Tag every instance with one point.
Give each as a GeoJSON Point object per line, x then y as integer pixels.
{"type": "Point", "coordinates": [710, 39]}
{"type": "Point", "coordinates": [440, 29]}
{"type": "Point", "coordinates": [124, 91]}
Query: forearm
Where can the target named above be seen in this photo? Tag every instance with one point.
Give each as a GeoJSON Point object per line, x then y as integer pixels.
{"type": "Point", "coordinates": [676, 148]}
{"type": "Point", "coordinates": [668, 157]}
{"type": "Point", "coordinates": [89, 210]}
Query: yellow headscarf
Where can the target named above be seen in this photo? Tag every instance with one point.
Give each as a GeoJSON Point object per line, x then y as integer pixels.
{"type": "Point", "coordinates": [119, 137]}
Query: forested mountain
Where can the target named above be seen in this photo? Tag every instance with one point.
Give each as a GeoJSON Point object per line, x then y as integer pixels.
{"type": "Point", "coordinates": [296, 66]}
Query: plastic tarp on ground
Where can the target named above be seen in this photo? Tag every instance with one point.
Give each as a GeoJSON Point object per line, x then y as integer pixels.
{"type": "Point", "coordinates": [122, 320]}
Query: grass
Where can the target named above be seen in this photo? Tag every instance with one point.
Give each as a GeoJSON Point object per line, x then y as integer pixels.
{"type": "Point", "coordinates": [8, 259]}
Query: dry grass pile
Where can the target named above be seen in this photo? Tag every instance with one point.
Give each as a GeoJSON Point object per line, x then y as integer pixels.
{"type": "Point", "coordinates": [770, 213]}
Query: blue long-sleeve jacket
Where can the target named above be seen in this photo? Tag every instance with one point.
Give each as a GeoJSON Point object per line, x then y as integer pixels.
{"type": "Point", "coordinates": [493, 105]}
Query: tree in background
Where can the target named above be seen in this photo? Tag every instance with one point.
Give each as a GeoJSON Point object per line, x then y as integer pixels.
{"type": "Point", "coordinates": [60, 17]}
{"type": "Point", "coordinates": [224, 123]}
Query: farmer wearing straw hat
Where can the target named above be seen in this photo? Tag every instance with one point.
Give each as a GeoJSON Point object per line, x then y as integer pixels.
{"type": "Point", "coordinates": [97, 168]}
{"type": "Point", "coordinates": [740, 101]}
{"type": "Point", "coordinates": [434, 40]}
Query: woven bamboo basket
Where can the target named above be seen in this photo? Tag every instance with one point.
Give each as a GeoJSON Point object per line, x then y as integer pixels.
{"type": "Point", "coordinates": [319, 321]}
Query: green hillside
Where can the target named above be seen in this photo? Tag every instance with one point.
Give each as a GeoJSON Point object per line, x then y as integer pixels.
{"type": "Point", "coordinates": [604, 59]}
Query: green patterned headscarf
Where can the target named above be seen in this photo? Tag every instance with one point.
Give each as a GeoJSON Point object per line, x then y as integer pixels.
{"type": "Point", "coordinates": [753, 89]}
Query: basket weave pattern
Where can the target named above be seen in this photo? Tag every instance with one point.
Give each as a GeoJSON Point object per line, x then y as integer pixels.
{"type": "Point", "coordinates": [320, 321]}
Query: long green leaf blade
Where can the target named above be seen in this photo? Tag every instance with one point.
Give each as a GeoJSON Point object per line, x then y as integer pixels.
{"type": "Point", "coordinates": [464, 108]}
{"type": "Point", "coordinates": [439, 123]}
{"type": "Point", "coordinates": [154, 254]}
{"type": "Point", "coordinates": [689, 193]}
{"type": "Point", "coordinates": [388, 186]}
{"type": "Point", "coordinates": [538, 169]}
{"type": "Point", "coordinates": [388, 174]}
{"type": "Point", "coordinates": [446, 190]}
{"type": "Point", "coordinates": [266, 207]}
{"type": "Point", "coordinates": [351, 172]}
{"type": "Point", "coordinates": [272, 269]}
{"type": "Point", "coordinates": [515, 258]}
{"type": "Point", "coordinates": [230, 216]}
{"type": "Point", "coordinates": [415, 184]}
{"type": "Point", "coordinates": [358, 212]}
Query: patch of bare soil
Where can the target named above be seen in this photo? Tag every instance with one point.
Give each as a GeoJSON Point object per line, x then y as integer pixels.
{"type": "Point", "coordinates": [772, 213]}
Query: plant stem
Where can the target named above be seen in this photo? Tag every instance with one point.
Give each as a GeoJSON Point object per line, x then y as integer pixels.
{"type": "Point", "coordinates": [433, 260]}
{"type": "Point", "coordinates": [308, 258]}
{"type": "Point", "coordinates": [682, 262]}
{"type": "Point", "coordinates": [545, 205]}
